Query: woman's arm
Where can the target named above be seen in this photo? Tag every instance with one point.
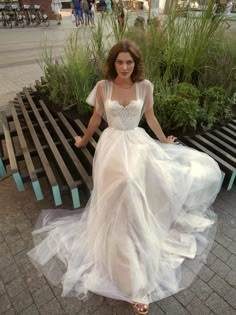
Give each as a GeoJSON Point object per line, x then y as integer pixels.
{"type": "Point", "coordinates": [156, 128]}
{"type": "Point", "coordinates": [94, 123]}
{"type": "Point", "coordinates": [98, 102]}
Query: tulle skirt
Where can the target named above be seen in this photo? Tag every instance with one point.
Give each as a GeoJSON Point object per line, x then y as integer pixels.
{"type": "Point", "coordinates": [146, 229]}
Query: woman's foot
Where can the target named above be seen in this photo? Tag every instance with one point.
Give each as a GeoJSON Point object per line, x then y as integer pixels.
{"type": "Point", "coordinates": [140, 308]}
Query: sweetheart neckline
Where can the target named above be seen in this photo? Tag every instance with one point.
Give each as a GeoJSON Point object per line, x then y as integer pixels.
{"type": "Point", "coordinates": [125, 105]}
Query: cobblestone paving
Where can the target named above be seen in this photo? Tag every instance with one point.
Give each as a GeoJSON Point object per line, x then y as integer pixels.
{"type": "Point", "coordinates": [23, 290]}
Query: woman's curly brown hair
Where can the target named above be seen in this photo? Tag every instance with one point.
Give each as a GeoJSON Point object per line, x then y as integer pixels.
{"type": "Point", "coordinates": [125, 45]}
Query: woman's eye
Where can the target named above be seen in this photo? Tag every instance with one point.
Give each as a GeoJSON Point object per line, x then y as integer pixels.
{"type": "Point", "coordinates": [129, 62]}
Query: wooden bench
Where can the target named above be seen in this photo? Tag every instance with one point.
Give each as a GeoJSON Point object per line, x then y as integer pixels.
{"type": "Point", "coordinates": [220, 144]}
{"type": "Point", "coordinates": [49, 138]}
{"type": "Point", "coordinates": [46, 145]}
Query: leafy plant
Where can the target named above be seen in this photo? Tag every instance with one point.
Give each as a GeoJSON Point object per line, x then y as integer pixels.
{"type": "Point", "coordinates": [182, 57]}
{"type": "Point", "coordinates": [99, 38]}
{"type": "Point", "coordinates": [176, 112]}
{"type": "Point", "coordinates": [188, 91]}
{"type": "Point", "coordinates": [72, 77]}
{"type": "Point", "coordinates": [216, 107]}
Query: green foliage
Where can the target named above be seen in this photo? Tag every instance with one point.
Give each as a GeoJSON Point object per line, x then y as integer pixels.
{"type": "Point", "coordinates": [98, 40]}
{"type": "Point", "coordinates": [188, 91]}
{"type": "Point", "coordinates": [215, 109]}
{"type": "Point", "coordinates": [176, 112]}
{"type": "Point", "coordinates": [190, 61]}
{"type": "Point", "coordinates": [72, 77]}
{"type": "Point", "coordinates": [220, 67]}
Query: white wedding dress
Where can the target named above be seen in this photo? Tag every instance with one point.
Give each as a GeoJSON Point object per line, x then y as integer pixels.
{"type": "Point", "coordinates": [147, 226]}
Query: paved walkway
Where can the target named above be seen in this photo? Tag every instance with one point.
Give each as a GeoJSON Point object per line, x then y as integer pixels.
{"type": "Point", "coordinates": [21, 52]}
{"type": "Point", "coordinates": [25, 291]}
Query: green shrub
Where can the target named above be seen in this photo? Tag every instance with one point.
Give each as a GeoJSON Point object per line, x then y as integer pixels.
{"type": "Point", "coordinates": [72, 77]}
{"type": "Point", "coordinates": [215, 109]}
{"type": "Point", "coordinates": [181, 57]}
{"type": "Point", "coordinates": [177, 113]}
{"type": "Point", "coordinates": [188, 91]}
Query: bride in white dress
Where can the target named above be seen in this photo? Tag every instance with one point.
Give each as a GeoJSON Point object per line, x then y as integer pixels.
{"type": "Point", "coordinates": [147, 226]}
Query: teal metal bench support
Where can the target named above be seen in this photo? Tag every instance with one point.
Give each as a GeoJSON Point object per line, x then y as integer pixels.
{"type": "Point", "coordinates": [2, 169]}
{"type": "Point", "coordinates": [222, 180]}
{"type": "Point", "coordinates": [56, 195]}
{"type": "Point", "coordinates": [37, 190]}
{"type": "Point", "coordinates": [75, 198]}
{"type": "Point", "coordinates": [18, 181]}
{"type": "Point", "coordinates": [231, 181]}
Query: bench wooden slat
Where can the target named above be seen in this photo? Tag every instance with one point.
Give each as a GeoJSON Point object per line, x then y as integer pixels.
{"type": "Point", "coordinates": [81, 170]}
{"type": "Point", "coordinates": [49, 173]}
{"type": "Point", "coordinates": [229, 132]}
{"type": "Point", "coordinates": [30, 112]}
{"type": "Point", "coordinates": [99, 132]}
{"type": "Point", "coordinates": [231, 126]}
{"type": "Point", "coordinates": [11, 153]}
{"type": "Point", "coordinates": [224, 137]}
{"type": "Point", "coordinates": [215, 149]}
{"type": "Point", "coordinates": [28, 159]}
{"type": "Point", "coordinates": [33, 152]}
{"type": "Point", "coordinates": [221, 143]}
{"type": "Point", "coordinates": [85, 151]}
{"type": "Point", "coordinates": [228, 169]}
{"type": "Point", "coordinates": [78, 182]}
{"type": "Point", "coordinates": [83, 129]}
{"type": "Point", "coordinates": [58, 158]}
{"type": "Point", "coordinates": [24, 128]}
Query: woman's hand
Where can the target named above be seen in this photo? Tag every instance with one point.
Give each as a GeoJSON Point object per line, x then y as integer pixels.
{"type": "Point", "coordinates": [79, 142]}
{"type": "Point", "coordinates": [170, 140]}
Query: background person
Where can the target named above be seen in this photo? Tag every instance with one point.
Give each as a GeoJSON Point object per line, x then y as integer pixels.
{"type": "Point", "coordinates": [77, 10]}
{"type": "Point", "coordinates": [227, 12]}
{"type": "Point", "coordinates": [92, 11]}
{"type": "Point", "coordinates": [56, 8]}
{"type": "Point", "coordinates": [108, 6]}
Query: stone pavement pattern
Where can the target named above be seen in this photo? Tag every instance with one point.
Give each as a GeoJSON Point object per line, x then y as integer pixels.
{"type": "Point", "coordinates": [23, 290]}
{"type": "Point", "coordinates": [21, 52]}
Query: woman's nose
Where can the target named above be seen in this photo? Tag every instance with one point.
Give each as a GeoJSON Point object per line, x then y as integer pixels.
{"type": "Point", "coordinates": [124, 66]}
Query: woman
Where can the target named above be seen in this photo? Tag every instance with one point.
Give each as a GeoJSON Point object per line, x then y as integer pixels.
{"type": "Point", "coordinates": [56, 8]}
{"type": "Point", "coordinates": [227, 12]}
{"type": "Point", "coordinates": [147, 223]}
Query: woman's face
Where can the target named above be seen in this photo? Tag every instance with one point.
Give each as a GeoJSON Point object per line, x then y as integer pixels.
{"type": "Point", "coordinates": [124, 65]}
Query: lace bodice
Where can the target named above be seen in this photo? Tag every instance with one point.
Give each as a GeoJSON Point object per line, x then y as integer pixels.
{"type": "Point", "coordinates": [119, 116]}
{"type": "Point", "coordinates": [123, 117]}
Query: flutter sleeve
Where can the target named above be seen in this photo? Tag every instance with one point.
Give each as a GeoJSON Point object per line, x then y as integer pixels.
{"type": "Point", "coordinates": [148, 95]}
{"type": "Point", "coordinates": [96, 97]}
